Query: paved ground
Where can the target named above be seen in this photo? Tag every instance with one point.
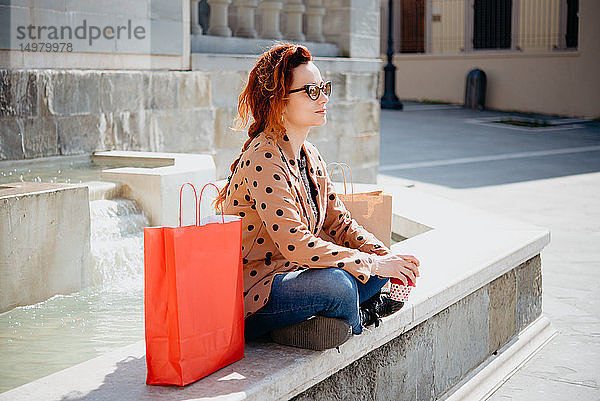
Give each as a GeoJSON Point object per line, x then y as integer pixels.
{"type": "Point", "coordinates": [550, 178]}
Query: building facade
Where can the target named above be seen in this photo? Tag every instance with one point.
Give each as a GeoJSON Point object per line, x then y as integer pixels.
{"type": "Point", "coordinates": [539, 55]}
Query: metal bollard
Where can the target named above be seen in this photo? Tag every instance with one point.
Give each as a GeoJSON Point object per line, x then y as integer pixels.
{"type": "Point", "coordinates": [475, 90]}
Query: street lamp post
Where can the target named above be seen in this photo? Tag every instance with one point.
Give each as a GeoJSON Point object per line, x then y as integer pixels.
{"type": "Point", "coordinates": [389, 99]}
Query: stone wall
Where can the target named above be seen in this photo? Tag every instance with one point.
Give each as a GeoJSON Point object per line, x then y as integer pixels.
{"type": "Point", "coordinates": [141, 34]}
{"type": "Point", "coordinates": [52, 258]}
{"type": "Point", "coordinates": [354, 26]}
{"type": "Point", "coordinates": [426, 361]}
{"type": "Point", "coordinates": [69, 112]}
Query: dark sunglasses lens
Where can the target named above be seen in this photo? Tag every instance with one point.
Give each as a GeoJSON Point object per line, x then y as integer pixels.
{"type": "Point", "coordinates": [313, 92]}
{"type": "Point", "coordinates": [327, 88]}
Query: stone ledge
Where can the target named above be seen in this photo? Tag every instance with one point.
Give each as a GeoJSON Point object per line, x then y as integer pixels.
{"type": "Point", "coordinates": [60, 215]}
{"type": "Point", "coordinates": [13, 189]}
{"type": "Point", "coordinates": [156, 183]}
{"type": "Point", "coordinates": [238, 45]}
{"type": "Point", "coordinates": [245, 62]}
{"type": "Point", "coordinates": [488, 377]}
{"type": "Point", "coordinates": [105, 190]}
{"type": "Point", "coordinates": [454, 272]}
{"type": "Point", "coordinates": [105, 61]}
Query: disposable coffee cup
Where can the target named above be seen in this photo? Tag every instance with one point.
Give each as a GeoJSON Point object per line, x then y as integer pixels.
{"type": "Point", "coordinates": [399, 291]}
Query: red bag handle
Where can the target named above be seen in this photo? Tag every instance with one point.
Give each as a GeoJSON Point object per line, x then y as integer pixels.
{"type": "Point", "coordinates": [196, 203]}
{"type": "Point", "coordinates": [217, 188]}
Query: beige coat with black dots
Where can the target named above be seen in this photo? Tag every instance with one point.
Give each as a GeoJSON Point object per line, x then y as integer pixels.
{"type": "Point", "coordinates": [279, 232]}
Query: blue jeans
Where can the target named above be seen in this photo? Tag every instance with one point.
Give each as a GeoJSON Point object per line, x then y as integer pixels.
{"type": "Point", "coordinates": [298, 295]}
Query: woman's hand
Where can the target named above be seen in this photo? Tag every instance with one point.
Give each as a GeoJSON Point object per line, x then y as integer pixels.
{"type": "Point", "coordinates": [402, 267]}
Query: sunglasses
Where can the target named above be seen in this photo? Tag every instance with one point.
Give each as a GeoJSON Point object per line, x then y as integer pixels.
{"type": "Point", "coordinates": [314, 91]}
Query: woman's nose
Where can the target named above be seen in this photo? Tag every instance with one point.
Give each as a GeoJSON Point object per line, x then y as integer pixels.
{"type": "Point", "coordinates": [323, 98]}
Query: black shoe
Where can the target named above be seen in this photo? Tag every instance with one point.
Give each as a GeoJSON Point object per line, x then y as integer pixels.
{"type": "Point", "coordinates": [378, 306]}
{"type": "Point", "coordinates": [368, 317]}
{"type": "Point", "coordinates": [317, 333]}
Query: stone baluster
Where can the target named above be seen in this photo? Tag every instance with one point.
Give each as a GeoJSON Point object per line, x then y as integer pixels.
{"type": "Point", "coordinates": [294, 10]}
{"type": "Point", "coordinates": [314, 21]}
{"type": "Point", "coordinates": [270, 24]}
{"type": "Point", "coordinates": [219, 18]}
{"type": "Point", "coordinates": [195, 28]}
{"type": "Point", "coordinates": [245, 18]}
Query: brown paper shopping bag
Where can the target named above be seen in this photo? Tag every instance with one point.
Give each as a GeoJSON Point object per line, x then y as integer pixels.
{"type": "Point", "coordinates": [372, 210]}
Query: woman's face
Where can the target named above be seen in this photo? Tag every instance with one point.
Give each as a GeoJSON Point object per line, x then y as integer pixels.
{"type": "Point", "coordinates": [301, 111]}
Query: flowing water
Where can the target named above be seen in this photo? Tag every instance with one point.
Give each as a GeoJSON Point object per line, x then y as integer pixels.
{"type": "Point", "coordinates": [70, 172]}
{"type": "Point", "coordinates": [37, 340]}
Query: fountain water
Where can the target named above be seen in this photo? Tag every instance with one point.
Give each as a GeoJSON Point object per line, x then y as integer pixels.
{"type": "Point", "coordinates": [37, 340]}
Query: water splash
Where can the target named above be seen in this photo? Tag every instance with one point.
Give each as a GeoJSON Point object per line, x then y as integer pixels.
{"type": "Point", "coordinates": [117, 243]}
{"type": "Point", "coordinates": [42, 338]}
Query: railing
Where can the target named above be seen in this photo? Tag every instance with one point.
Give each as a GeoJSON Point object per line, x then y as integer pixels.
{"type": "Point", "coordinates": [303, 20]}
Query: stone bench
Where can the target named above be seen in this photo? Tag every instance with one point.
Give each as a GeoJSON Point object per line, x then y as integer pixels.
{"type": "Point", "coordinates": [476, 310]}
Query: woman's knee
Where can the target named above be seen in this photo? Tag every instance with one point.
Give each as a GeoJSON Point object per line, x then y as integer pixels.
{"type": "Point", "coordinates": [339, 285]}
{"type": "Point", "coordinates": [343, 297]}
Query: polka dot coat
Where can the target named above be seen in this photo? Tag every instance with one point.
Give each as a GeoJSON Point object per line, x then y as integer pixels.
{"type": "Point", "coordinates": [280, 232]}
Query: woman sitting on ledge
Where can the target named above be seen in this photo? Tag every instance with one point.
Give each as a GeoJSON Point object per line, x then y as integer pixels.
{"type": "Point", "coordinates": [304, 290]}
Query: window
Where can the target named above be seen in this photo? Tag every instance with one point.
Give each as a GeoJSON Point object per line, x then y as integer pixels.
{"type": "Point", "coordinates": [572, 23]}
{"type": "Point", "coordinates": [412, 39]}
{"type": "Point", "coordinates": [492, 24]}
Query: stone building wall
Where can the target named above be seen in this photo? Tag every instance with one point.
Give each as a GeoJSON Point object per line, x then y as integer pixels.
{"type": "Point", "coordinates": [109, 34]}
{"type": "Point", "coordinates": [154, 95]}
{"type": "Point", "coordinates": [69, 112]}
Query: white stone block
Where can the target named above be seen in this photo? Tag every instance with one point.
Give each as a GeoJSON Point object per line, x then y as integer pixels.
{"type": "Point", "coordinates": [111, 7]}
{"type": "Point", "coordinates": [148, 36]}
{"type": "Point", "coordinates": [226, 86]}
{"type": "Point", "coordinates": [182, 130]}
{"type": "Point", "coordinates": [362, 86]}
{"type": "Point", "coordinates": [194, 90]}
{"type": "Point", "coordinates": [44, 241]}
{"type": "Point", "coordinates": [225, 134]}
{"type": "Point", "coordinates": [165, 9]}
{"type": "Point", "coordinates": [166, 37]}
{"type": "Point", "coordinates": [157, 189]}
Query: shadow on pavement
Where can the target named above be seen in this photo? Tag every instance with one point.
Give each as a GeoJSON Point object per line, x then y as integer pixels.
{"type": "Point", "coordinates": [444, 146]}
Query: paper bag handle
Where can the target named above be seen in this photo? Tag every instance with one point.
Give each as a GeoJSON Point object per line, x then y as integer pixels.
{"type": "Point", "coordinates": [195, 203]}
{"type": "Point", "coordinates": [217, 188]}
{"type": "Point", "coordinates": [341, 165]}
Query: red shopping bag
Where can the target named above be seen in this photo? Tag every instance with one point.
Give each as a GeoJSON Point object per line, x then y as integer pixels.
{"type": "Point", "coordinates": [194, 308]}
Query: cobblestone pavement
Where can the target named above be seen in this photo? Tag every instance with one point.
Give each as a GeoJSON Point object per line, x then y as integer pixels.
{"type": "Point", "coordinates": [549, 177]}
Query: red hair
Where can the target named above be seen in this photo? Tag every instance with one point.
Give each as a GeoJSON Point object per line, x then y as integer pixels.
{"type": "Point", "coordinates": [265, 95]}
